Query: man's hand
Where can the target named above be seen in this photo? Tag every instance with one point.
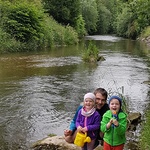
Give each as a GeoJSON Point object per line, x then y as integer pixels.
{"type": "Point", "coordinates": [68, 132]}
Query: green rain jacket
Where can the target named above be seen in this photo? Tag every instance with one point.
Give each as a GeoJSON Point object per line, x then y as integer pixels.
{"type": "Point", "coordinates": [115, 135]}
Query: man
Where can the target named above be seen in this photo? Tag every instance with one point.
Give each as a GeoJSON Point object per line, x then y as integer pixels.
{"type": "Point", "coordinates": [101, 106]}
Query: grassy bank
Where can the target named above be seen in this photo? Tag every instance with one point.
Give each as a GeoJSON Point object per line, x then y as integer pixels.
{"type": "Point", "coordinates": [144, 139]}
{"type": "Point", "coordinates": [24, 26]}
{"type": "Point", "coordinates": [144, 142]}
{"type": "Point", "coordinates": [145, 36]}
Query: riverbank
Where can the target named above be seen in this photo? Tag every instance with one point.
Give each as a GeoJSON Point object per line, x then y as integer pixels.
{"type": "Point", "coordinates": [145, 36]}
{"type": "Point", "coordinates": [146, 40]}
{"type": "Point", "coordinates": [144, 142]}
{"type": "Point", "coordinates": [144, 139]}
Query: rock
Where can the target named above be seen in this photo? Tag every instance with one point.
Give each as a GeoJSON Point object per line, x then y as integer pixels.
{"type": "Point", "coordinates": [54, 143]}
{"type": "Point", "coordinates": [134, 117]}
{"type": "Point", "coordinates": [100, 58]}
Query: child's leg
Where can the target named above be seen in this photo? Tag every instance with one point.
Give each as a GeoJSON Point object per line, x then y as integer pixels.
{"type": "Point", "coordinates": [119, 147]}
{"type": "Point", "coordinates": [84, 147]}
{"type": "Point", "coordinates": [106, 146]}
{"type": "Point", "coordinates": [109, 147]}
{"type": "Point", "coordinates": [90, 146]}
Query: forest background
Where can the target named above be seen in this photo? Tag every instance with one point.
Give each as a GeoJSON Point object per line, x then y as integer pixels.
{"type": "Point", "coordinates": [29, 25]}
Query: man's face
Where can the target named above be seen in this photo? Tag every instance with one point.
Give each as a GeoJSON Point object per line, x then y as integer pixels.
{"type": "Point", "coordinates": [100, 100]}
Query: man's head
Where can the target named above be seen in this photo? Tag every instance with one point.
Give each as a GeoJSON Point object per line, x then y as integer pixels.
{"type": "Point", "coordinates": [101, 97]}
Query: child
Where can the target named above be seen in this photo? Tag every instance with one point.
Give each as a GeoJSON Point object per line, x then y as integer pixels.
{"type": "Point", "coordinates": [114, 125]}
{"type": "Point", "coordinates": [88, 120]}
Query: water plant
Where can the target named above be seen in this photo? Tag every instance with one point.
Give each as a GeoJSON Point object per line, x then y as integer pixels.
{"type": "Point", "coordinates": [91, 52]}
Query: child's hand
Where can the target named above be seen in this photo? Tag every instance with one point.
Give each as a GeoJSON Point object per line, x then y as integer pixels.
{"type": "Point", "coordinates": [79, 129]}
{"type": "Point", "coordinates": [115, 122]}
{"type": "Point", "coordinates": [109, 123]}
{"type": "Point", "coordinates": [84, 129]}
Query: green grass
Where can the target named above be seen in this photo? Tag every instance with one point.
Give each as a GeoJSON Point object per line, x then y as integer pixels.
{"type": "Point", "coordinates": [144, 139]}
{"type": "Point", "coordinates": [145, 32]}
{"type": "Point", "coordinates": [51, 135]}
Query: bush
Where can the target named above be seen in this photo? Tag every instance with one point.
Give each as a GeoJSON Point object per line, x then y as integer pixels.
{"type": "Point", "coordinates": [23, 22]}
{"type": "Point", "coordinates": [91, 53]}
{"type": "Point", "coordinates": [80, 26]}
{"type": "Point", "coordinates": [26, 27]}
{"type": "Point", "coordinates": [8, 44]}
{"type": "Point", "coordinates": [145, 33]}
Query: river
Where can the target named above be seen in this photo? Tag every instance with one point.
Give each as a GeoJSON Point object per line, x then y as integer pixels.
{"type": "Point", "coordinates": [40, 91]}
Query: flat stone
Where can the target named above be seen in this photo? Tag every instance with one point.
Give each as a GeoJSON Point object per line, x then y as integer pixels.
{"type": "Point", "coordinates": [54, 143]}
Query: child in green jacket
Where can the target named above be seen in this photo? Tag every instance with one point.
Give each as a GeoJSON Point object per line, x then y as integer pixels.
{"type": "Point", "coordinates": [114, 125]}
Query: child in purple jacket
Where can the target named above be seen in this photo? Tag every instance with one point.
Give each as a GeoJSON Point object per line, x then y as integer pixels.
{"type": "Point", "coordinates": [88, 120]}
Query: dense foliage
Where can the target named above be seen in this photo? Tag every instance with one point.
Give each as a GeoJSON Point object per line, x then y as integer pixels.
{"type": "Point", "coordinates": [25, 26]}
{"type": "Point", "coordinates": [23, 22]}
{"type": "Point", "coordinates": [34, 24]}
{"type": "Point", "coordinates": [125, 18]}
{"type": "Point", "coordinates": [64, 11]}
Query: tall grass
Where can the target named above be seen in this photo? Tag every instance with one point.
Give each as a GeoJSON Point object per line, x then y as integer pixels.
{"type": "Point", "coordinates": [145, 33]}
{"type": "Point", "coordinates": [144, 139]}
{"type": "Point", "coordinates": [7, 43]}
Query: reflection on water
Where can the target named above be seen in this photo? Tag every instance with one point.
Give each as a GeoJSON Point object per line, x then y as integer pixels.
{"type": "Point", "coordinates": [39, 92]}
{"type": "Point", "coordinates": [103, 38]}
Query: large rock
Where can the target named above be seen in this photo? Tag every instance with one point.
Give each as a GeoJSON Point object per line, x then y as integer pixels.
{"type": "Point", "coordinates": [134, 119]}
{"type": "Point", "coordinates": [54, 143]}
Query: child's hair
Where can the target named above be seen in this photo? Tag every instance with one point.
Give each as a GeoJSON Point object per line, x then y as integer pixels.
{"type": "Point", "coordinates": [119, 99]}
{"type": "Point", "coordinates": [115, 97]}
{"type": "Point", "coordinates": [89, 95]}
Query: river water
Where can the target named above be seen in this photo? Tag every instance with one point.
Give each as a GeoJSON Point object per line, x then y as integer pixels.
{"type": "Point", "coordinates": [40, 91]}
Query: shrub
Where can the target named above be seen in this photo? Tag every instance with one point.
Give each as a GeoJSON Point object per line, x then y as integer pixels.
{"type": "Point", "coordinates": [91, 53]}
{"type": "Point", "coordinates": [23, 22]}
{"type": "Point", "coordinates": [26, 27]}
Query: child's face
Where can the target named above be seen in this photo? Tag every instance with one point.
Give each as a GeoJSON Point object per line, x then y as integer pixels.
{"type": "Point", "coordinates": [114, 105]}
{"type": "Point", "coordinates": [89, 103]}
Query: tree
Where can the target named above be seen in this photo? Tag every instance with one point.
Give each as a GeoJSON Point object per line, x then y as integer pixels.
{"type": "Point", "coordinates": [64, 11]}
{"type": "Point", "coordinates": [90, 14]}
{"type": "Point", "coordinates": [104, 18]}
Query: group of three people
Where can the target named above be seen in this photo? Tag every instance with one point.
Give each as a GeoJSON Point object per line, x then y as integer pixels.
{"type": "Point", "coordinates": [97, 118]}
